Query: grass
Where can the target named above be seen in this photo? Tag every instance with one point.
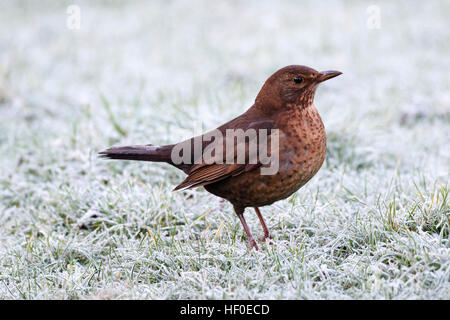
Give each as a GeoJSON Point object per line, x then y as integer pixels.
{"type": "Point", "coordinates": [372, 224]}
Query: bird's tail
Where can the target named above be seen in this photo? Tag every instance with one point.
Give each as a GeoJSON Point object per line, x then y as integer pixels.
{"type": "Point", "coordinates": [140, 153]}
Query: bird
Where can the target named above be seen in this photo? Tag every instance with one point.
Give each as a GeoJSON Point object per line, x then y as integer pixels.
{"type": "Point", "coordinates": [284, 109]}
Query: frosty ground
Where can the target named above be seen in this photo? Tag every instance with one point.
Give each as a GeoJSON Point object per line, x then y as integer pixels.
{"type": "Point", "coordinates": [373, 223]}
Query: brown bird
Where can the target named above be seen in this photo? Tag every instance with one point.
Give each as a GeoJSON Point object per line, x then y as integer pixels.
{"type": "Point", "coordinates": [284, 107]}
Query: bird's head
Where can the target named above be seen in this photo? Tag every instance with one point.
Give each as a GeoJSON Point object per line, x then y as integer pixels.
{"type": "Point", "coordinates": [291, 86]}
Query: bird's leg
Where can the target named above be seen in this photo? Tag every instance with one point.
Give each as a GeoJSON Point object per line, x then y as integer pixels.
{"type": "Point", "coordinates": [263, 224]}
{"type": "Point", "coordinates": [240, 214]}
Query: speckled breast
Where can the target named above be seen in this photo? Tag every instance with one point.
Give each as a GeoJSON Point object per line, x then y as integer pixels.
{"type": "Point", "coordinates": [302, 148]}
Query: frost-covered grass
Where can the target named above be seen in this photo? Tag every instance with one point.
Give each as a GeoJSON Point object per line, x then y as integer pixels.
{"type": "Point", "coordinates": [372, 224]}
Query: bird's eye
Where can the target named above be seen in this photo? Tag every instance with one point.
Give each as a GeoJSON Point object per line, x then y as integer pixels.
{"type": "Point", "coordinates": [298, 79]}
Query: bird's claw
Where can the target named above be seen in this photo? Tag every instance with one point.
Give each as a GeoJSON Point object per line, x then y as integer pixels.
{"type": "Point", "coordinates": [267, 236]}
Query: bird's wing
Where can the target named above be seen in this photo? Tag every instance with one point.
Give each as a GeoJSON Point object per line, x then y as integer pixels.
{"type": "Point", "coordinates": [203, 173]}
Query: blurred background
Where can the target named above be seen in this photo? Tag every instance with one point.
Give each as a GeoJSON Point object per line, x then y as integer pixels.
{"type": "Point", "coordinates": [79, 76]}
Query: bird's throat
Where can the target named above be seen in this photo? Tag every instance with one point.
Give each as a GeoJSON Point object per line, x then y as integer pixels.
{"type": "Point", "coordinates": [306, 99]}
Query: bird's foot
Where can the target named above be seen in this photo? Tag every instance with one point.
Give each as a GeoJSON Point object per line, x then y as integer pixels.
{"type": "Point", "coordinates": [253, 245]}
{"type": "Point", "coordinates": [266, 236]}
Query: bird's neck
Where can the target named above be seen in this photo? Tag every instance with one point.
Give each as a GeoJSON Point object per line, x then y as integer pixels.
{"type": "Point", "coordinates": [299, 106]}
{"type": "Point", "coordinates": [274, 104]}
{"type": "Point", "coordinates": [306, 99]}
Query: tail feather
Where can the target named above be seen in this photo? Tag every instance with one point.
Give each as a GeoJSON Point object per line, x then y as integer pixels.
{"type": "Point", "coordinates": [140, 153]}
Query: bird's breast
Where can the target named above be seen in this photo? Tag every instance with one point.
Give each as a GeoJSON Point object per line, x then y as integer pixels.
{"type": "Point", "coordinates": [302, 146]}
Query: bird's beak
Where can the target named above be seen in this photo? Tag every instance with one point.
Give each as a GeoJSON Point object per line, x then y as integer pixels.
{"type": "Point", "coordinates": [325, 75]}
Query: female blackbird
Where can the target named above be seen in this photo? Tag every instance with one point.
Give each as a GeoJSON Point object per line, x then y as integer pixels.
{"type": "Point", "coordinates": [285, 109]}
